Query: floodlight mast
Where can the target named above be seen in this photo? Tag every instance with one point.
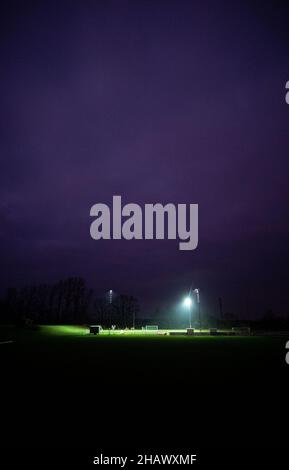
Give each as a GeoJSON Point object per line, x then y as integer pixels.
{"type": "Point", "coordinates": [188, 303]}
{"type": "Point", "coordinates": [197, 292]}
{"type": "Point", "coordinates": [110, 294]}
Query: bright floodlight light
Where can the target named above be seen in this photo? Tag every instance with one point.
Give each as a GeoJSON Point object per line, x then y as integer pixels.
{"type": "Point", "coordinates": [187, 302]}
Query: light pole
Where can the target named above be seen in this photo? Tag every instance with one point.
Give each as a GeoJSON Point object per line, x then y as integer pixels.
{"type": "Point", "coordinates": [188, 303]}
{"type": "Point", "coordinates": [110, 293]}
{"type": "Point", "coordinates": [197, 292]}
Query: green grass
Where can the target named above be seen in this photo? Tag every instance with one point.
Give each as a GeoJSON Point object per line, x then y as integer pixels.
{"type": "Point", "coordinates": [145, 383]}
{"type": "Point", "coordinates": [61, 330]}
{"type": "Point", "coordinates": [71, 349]}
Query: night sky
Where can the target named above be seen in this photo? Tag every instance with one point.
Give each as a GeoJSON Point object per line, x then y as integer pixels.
{"type": "Point", "coordinates": [180, 102]}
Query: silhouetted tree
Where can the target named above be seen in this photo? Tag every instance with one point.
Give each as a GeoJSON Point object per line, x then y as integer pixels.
{"type": "Point", "coordinates": [65, 301]}
{"type": "Point", "coordinates": [120, 312]}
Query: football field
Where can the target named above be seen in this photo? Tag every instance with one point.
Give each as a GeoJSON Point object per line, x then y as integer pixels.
{"type": "Point", "coordinates": [65, 387]}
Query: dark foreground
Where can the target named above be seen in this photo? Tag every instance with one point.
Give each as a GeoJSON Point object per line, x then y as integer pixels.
{"type": "Point", "coordinates": [73, 391]}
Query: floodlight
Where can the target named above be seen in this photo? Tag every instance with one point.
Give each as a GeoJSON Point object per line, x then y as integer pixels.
{"type": "Point", "coordinates": [188, 302]}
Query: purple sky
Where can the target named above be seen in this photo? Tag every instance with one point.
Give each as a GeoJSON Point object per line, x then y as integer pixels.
{"type": "Point", "coordinates": [177, 102]}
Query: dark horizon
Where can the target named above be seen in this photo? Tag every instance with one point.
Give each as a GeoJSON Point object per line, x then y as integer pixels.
{"type": "Point", "coordinates": [182, 103]}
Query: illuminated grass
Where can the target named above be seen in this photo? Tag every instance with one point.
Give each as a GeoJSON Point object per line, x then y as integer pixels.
{"type": "Point", "coordinates": [62, 330]}
{"type": "Point", "coordinates": [79, 330]}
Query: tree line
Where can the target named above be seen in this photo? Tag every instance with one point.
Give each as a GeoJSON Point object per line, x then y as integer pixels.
{"type": "Point", "coordinates": [66, 301]}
